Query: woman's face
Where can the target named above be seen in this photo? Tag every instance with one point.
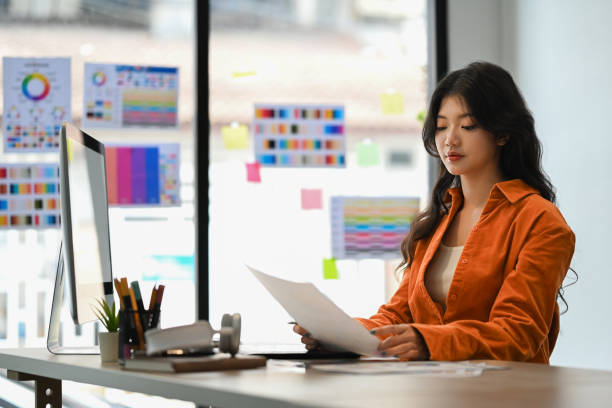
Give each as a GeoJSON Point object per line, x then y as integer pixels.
{"type": "Point", "coordinates": [465, 148]}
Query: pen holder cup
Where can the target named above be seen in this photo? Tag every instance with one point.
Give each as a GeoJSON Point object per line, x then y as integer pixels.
{"type": "Point", "coordinates": [132, 326]}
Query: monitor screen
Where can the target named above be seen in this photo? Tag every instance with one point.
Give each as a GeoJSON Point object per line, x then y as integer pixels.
{"type": "Point", "coordinates": [85, 230]}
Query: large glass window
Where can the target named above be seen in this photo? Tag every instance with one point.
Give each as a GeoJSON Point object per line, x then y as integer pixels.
{"type": "Point", "coordinates": [153, 243]}
{"type": "Point", "coordinates": [358, 55]}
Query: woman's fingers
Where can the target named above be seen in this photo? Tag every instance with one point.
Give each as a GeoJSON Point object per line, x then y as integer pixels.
{"type": "Point", "coordinates": [393, 341]}
{"type": "Point", "coordinates": [311, 344]}
{"type": "Point", "coordinates": [390, 329]}
{"type": "Point", "coordinates": [299, 329]}
{"type": "Point", "coordinates": [402, 341]}
{"type": "Point", "coordinates": [399, 350]}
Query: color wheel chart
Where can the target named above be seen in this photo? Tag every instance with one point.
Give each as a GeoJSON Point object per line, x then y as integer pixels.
{"type": "Point", "coordinates": [100, 104]}
{"type": "Point", "coordinates": [300, 135]}
{"type": "Point", "coordinates": [130, 95]}
{"type": "Point", "coordinates": [143, 175]}
{"type": "Point", "coordinates": [370, 227]}
{"type": "Point", "coordinates": [36, 102]}
{"type": "Point", "coordinates": [29, 196]}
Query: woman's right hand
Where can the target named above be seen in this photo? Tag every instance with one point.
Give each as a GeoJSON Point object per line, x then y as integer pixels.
{"type": "Point", "coordinates": [311, 344]}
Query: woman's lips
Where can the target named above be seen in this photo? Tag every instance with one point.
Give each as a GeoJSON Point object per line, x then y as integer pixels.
{"type": "Point", "coordinates": [454, 157]}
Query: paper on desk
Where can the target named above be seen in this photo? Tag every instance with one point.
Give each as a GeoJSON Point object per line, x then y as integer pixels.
{"type": "Point", "coordinates": [314, 311]}
{"type": "Point", "coordinates": [420, 368]}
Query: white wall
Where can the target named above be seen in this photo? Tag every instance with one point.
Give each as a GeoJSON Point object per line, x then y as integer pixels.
{"type": "Point", "coordinates": [563, 63]}
{"type": "Point", "coordinates": [559, 52]}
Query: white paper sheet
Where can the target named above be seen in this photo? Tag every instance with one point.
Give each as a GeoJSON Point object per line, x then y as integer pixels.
{"type": "Point", "coordinates": [420, 368]}
{"type": "Point", "coordinates": [314, 311]}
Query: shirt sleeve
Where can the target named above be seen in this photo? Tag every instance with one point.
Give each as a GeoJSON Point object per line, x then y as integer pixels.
{"type": "Point", "coordinates": [522, 314]}
{"type": "Point", "coordinates": [396, 311]}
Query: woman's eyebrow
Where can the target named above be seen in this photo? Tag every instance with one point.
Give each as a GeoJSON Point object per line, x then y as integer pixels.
{"type": "Point", "coordinates": [460, 116]}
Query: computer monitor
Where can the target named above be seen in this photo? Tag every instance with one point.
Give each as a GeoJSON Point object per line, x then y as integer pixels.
{"type": "Point", "coordinates": [85, 255]}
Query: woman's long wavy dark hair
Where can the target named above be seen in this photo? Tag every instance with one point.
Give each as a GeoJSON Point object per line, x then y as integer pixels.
{"type": "Point", "coordinates": [497, 106]}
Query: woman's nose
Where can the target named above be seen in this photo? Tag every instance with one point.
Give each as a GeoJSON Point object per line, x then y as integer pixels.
{"type": "Point", "coordinates": [451, 138]}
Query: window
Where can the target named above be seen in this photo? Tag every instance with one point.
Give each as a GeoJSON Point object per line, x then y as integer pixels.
{"type": "Point", "coordinates": [341, 53]}
{"type": "Point", "coordinates": [152, 244]}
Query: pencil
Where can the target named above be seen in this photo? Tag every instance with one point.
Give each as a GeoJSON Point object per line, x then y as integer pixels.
{"type": "Point", "coordinates": [153, 297]}
{"type": "Point", "coordinates": [119, 292]}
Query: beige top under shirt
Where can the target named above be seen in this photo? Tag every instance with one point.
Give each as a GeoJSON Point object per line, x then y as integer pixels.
{"type": "Point", "coordinates": [440, 272]}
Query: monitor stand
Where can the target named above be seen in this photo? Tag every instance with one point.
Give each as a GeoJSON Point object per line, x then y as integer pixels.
{"type": "Point", "coordinates": [53, 335]}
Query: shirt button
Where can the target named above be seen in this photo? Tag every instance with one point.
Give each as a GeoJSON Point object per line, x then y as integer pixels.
{"type": "Point", "coordinates": [453, 297]}
{"type": "Point", "coordinates": [464, 261]}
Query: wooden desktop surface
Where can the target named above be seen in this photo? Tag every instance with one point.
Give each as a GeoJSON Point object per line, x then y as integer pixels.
{"type": "Point", "coordinates": [523, 385]}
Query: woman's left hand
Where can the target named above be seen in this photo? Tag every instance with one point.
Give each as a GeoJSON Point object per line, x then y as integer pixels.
{"type": "Point", "coordinates": [403, 342]}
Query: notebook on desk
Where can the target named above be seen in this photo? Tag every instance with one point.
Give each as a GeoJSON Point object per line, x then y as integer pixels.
{"type": "Point", "coordinates": [292, 352]}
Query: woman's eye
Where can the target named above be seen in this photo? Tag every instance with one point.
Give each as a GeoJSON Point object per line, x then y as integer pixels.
{"type": "Point", "coordinates": [439, 128]}
{"type": "Point", "coordinates": [470, 127]}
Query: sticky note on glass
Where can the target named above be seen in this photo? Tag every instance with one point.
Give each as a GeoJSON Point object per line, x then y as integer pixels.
{"type": "Point", "coordinates": [400, 158]}
{"type": "Point", "coordinates": [235, 136]}
{"type": "Point", "coordinates": [392, 103]}
{"type": "Point", "coordinates": [244, 73]}
{"type": "Point", "coordinates": [368, 153]}
{"type": "Point", "coordinates": [253, 172]}
{"type": "Point", "coordinates": [330, 271]}
{"type": "Point", "coordinates": [312, 199]}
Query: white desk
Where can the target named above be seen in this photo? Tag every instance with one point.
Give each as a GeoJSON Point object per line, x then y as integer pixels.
{"type": "Point", "coordinates": [523, 385]}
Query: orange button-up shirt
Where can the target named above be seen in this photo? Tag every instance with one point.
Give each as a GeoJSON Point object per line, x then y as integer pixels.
{"type": "Point", "coordinates": [501, 303]}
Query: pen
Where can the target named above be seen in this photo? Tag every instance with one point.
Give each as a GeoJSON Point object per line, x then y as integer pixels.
{"type": "Point", "coordinates": [141, 311]}
{"type": "Point", "coordinates": [151, 308]}
{"type": "Point", "coordinates": [157, 309]}
{"type": "Point", "coordinates": [139, 331]}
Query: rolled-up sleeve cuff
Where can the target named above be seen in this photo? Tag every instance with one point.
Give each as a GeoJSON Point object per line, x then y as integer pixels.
{"type": "Point", "coordinates": [439, 342]}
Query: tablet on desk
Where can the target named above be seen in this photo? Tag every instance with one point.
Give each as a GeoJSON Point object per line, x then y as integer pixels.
{"type": "Point", "coordinates": [293, 352]}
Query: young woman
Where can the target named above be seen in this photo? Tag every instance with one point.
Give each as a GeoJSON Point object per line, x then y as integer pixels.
{"type": "Point", "coordinates": [484, 263]}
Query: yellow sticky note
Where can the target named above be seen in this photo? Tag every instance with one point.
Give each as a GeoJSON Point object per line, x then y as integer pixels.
{"type": "Point", "coordinates": [330, 271]}
{"type": "Point", "coordinates": [244, 73]}
{"type": "Point", "coordinates": [368, 153]}
{"type": "Point", "coordinates": [392, 103]}
{"type": "Point", "coordinates": [235, 136]}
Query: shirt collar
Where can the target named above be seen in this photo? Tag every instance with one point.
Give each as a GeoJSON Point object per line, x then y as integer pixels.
{"type": "Point", "coordinates": [512, 190]}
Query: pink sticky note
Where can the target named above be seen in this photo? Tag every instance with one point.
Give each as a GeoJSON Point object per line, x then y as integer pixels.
{"type": "Point", "coordinates": [253, 172]}
{"type": "Point", "coordinates": [312, 199]}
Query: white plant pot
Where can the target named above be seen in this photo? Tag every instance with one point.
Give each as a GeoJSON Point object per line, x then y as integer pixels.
{"type": "Point", "coordinates": [109, 346]}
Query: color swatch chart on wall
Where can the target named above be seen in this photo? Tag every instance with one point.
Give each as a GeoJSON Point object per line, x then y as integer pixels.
{"type": "Point", "coordinates": [299, 135]}
{"type": "Point", "coordinates": [130, 95]}
{"type": "Point", "coordinates": [370, 227]}
{"type": "Point", "coordinates": [29, 196]}
{"type": "Point", "coordinates": [142, 175]}
{"type": "Point", "coordinates": [36, 102]}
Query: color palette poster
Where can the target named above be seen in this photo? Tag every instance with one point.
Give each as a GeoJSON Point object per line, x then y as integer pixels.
{"type": "Point", "coordinates": [29, 196]}
{"type": "Point", "coordinates": [130, 96]}
{"type": "Point", "coordinates": [143, 175]}
{"type": "Point", "coordinates": [36, 101]}
{"type": "Point", "coordinates": [370, 227]}
{"type": "Point", "coordinates": [300, 135]}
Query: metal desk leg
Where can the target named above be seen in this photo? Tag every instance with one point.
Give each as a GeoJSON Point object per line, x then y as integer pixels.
{"type": "Point", "coordinates": [48, 390]}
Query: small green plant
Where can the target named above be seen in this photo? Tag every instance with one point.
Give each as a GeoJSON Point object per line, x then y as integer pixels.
{"type": "Point", "coordinates": [107, 315]}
